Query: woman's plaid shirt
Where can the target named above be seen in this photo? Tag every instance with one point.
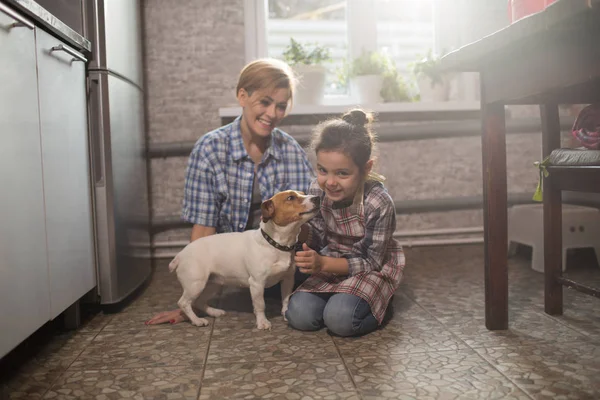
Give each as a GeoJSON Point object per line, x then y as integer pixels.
{"type": "Point", "coordinates": [362, 233]}
{"type": "Point", "coordinates": [219, 176]}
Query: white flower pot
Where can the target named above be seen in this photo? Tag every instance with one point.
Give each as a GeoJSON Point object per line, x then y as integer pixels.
{"type": "Point", "coordinates": [366, 89]}
{"type": "Point", "coordinates": [432, 92]}
{"type": "Point", "coordinates": [311, 84]}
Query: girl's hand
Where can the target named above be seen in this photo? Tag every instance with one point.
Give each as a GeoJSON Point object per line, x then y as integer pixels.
{"type": "Point", "coordinates": [308, 261]}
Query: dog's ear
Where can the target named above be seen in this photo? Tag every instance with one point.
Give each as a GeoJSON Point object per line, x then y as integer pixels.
{"type": "Point", "coordinates": [268, 209]}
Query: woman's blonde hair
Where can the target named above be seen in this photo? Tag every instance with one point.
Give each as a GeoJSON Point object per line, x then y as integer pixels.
{"type": "Point", "coordinates": [266, 73]}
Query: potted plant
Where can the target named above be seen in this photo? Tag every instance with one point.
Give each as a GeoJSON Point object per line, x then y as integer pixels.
{"type": "Point", "coordinates": [374, 78]}
{"type": "Point", "coordinates": [433, 85]}
{"type": "Point", "coordinates": [366, 75]}
{"type": "Point", "coordinates": [307, 62]}
{"type": "Point", "coordinates": [394, 88]}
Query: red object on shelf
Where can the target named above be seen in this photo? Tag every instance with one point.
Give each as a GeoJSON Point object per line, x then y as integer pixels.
{"type": "Point", "coordinates": [523, 8]}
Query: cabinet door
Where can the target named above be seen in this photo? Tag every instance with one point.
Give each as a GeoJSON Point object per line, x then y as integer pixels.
{"type": "Point", "coordinates": [65, 155]}
{"type": "Point", "coordinates": [24, 290]}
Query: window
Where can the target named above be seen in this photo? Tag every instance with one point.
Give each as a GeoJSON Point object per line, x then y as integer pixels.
{"type": "Point", "coordinates": [401, 29]}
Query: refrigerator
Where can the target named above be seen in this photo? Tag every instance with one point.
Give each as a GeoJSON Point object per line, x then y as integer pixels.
{"type": "Point", "coordinates": [118, 146]}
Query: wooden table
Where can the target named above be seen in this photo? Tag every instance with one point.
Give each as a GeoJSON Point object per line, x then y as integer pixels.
{"type": "Point", "coordinates": [548, 59]}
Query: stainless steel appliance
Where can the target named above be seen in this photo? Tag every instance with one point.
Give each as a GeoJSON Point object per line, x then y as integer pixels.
{"type": "Point", "coordinates": [118, 146]}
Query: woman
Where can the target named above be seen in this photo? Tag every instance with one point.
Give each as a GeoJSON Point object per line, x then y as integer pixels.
{"type": "Point", "coordinates": [231, 170]}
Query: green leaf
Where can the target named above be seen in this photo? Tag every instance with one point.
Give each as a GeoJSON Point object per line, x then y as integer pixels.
{"type": "Point", "coordinates": [309, 54]}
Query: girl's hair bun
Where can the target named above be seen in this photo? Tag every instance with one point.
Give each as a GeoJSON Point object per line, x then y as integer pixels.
{"type": "Point", "coordinates": [357, 117]}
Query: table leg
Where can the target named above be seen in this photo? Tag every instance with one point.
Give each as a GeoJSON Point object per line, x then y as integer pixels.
{"type": "Point", "coordinates": [553, 290]}
{"type": "Point", "coordinates": [493, 141]}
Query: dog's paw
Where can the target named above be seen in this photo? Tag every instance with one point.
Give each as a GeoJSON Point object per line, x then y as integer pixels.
{"type": "Point", "coordinates": [283, 311]}
{"type": "Point", "coordinates": [200, 322]}
{"type": "Point", "coordinates": [215, 312]}
{"type": "Point", "coordinates": [263, 325]}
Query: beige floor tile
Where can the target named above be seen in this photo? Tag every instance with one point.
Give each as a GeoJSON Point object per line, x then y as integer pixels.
{"type": "Point", "coordinates": [148, 347]}
{"type": "Point", "coordinates": [32, 377]}
{"type": "Point", "coordinates": [29, 382]}
{"type": "Point", "coordinates": [94, 322]}
{"type": "Point", "coordinates": [236, 339]}
{"type": "Point", "coordinates": [525, 327]}
{"type": "Point", "coordinates": [134, 383]}
{"type": "Point", "coordinates": [432, 375]}
{"type": "Point", "coordinates": [62, 350]}
{"type": "Point", "coordinates": [550, 371]}
{"type": "Point", "coordinates": [585, 321]}
{"type": "Point", "coordinates": [434, 345]}
{"type": "Point", "coordinates": [400, 338]}
{"type": "Point", "coordinates": [289, 379]}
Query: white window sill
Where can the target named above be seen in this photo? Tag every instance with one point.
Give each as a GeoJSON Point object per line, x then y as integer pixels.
{"type": "Point", "coordinates": [377, 108]}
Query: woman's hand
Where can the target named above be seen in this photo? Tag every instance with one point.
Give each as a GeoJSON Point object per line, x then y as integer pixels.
{"type": "Point", "coordinates": [172, 317]}
{"type": "Point", "coordinates": [308, 261]}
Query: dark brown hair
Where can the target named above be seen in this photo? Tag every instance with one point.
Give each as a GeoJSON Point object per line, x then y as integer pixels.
{"type": "Point", "coordinates": [350, 134]}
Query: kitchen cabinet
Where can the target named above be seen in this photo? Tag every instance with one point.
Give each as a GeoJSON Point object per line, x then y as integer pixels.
{"type": "Point", "coordinates": [67, 186]}
{"type": "Point", "coordinates": [47, 258]}
{"type": "Point", "coordinates": [24, 285]}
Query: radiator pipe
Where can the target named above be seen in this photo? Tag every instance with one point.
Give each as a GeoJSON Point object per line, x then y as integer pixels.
{"type": "Point", "coordinates": [163, 224]}
{"type": "Point", "coordinates": [387, 133]}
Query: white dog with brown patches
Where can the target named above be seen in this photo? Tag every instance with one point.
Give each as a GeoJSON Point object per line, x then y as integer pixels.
{"type": "Point", "coordinates": [256, 258]}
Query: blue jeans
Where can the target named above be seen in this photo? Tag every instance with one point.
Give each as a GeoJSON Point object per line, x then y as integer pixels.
{"type": "Point", "coordinates": [343, 314]}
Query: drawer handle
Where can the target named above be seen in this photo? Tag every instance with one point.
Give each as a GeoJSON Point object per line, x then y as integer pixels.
{"type": "Point", "coordinates": [78, 57]}
{"type": "Point", "coordinates": [20, 21]}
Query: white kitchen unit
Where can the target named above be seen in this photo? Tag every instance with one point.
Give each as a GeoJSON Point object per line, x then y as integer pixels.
{"type": "Point", "coordinates": [47, 257]}
{"type": "Point", "coordinates": [24, 282]}
{"type": "Point", "coordinates": [65, 161]}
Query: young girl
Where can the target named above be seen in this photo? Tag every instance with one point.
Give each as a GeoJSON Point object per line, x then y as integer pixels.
{"type": "Point", "coordinates": [355, 264]}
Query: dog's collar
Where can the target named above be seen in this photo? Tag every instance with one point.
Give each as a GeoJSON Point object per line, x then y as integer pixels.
{"type": "Point", "coordinates": [275, 244]}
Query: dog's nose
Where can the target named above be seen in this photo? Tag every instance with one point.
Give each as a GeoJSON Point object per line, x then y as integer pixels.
{"type": "Point", "coordinates": [316, 200]}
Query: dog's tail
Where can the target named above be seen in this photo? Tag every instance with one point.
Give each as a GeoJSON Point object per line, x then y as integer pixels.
{"type": "Point", "coordinates": [174, 264]}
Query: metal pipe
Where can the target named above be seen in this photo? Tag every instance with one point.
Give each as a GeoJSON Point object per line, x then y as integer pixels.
{"type": "Point", "coordinates": [408, 207]}
{"type": "Point", "coordinates": [410, 244]}
{"type": "Point", "coordinates": [402, 207]}
{"type": "Point", "coordinates": [387, 133]}
{"type": "Point", "coordinates": [442, 242]}
{"type": "Point", "coordinates": [397, 235]}
{"type": "Point", "coordinates": [438, 232]}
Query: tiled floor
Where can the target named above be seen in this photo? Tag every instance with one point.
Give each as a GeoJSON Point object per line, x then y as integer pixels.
{"type": "Point", "coordinates": [435, 346]}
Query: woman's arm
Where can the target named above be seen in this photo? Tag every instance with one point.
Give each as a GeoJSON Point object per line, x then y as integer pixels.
{"type": "Point", "coordinates": [200, 231]}
{"type": "Point", "coordinates": [200, 194]}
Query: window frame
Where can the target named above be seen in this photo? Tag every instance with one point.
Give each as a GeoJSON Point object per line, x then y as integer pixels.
{"type": "Point", "coordinates": [359, 14]}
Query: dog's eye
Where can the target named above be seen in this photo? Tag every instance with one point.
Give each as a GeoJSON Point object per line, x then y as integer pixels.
{"type": "Point", "coordinates": [290, 198]}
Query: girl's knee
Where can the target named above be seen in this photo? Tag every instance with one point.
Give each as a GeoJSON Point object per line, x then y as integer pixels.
{"type": "Point", "coordinates": [304, 313]}
{"type": "Point", "coordinates": [349, 315]}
